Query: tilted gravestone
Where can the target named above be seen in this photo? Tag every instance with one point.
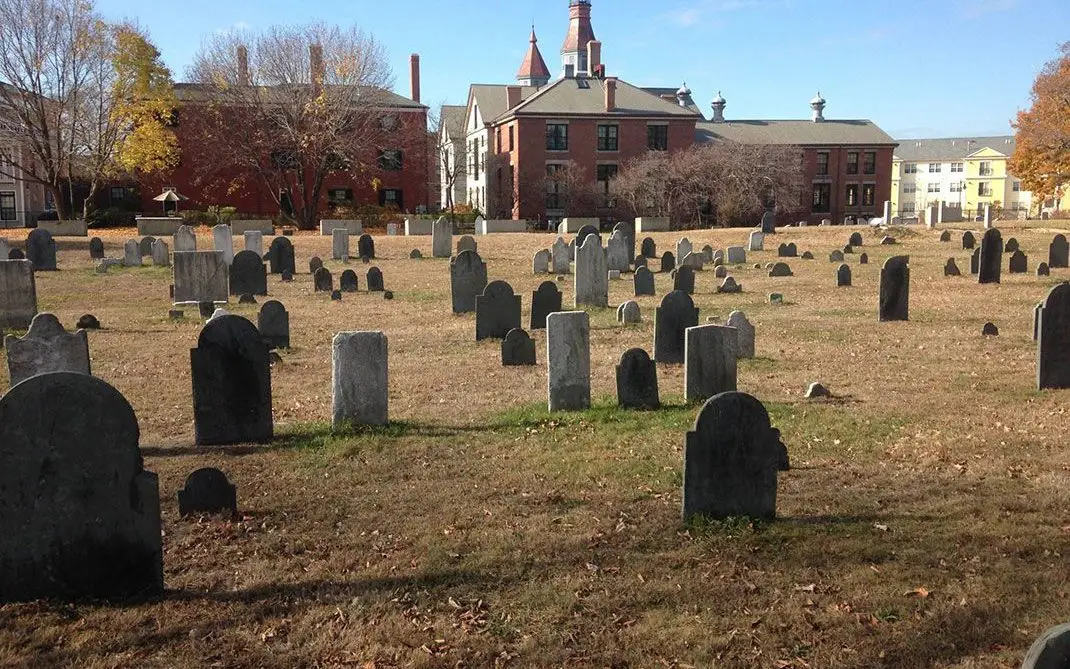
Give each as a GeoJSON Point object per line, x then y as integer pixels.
{"type": "Point", "coordinates": [676, 313]}
{"type": "Point", "coordinates": [497, 311]}
{"type": "Point", "coordinates": [637, 381]}
{"type": "Point", "coordinates": [1053, 339]}
{"type": "Point", "coordinates": [79, 515]}
{"type": "Point", "coordinates": [562, 258]}
{"type": "Point", "coordinates": [1018, 263]}
{"type": "Point", "coordinates": [223, 240]}
{"type": "Point", "coordinates": [248, 276]}
{"type": "Point", "coordinates": [683, 279]}
{"type": "Point", "coordinates": [1011, 246]}
{"type": "Point", "coordinates": [340, 244]}
{"type": "Point", "coordinates": [348, 282]}
{"type": "Point", "coordinates": [280, 256]}
{"type": "Point", "coordinates": [185, 239]}
{"type": "Point", "coordinates": [710, 354]}
{"type": "Point", "coordinates": [568, 354]}
{"type": "Point", "coordinates": [41, 250]}
{"type": "Point", "coordinates": [468, 278]}
{"type": "Point", "coordinates": [540, 262]}
{"type": "Point", "coordinates": [18, 294]}
{"type": "Point", "coordinates": [361, 379]}
{"type": "Point", "coordinates": [617, 252]}
{"type": "Point", "coordinates": [649, 248]}
{"type": "Point", "coordinates": [208, 490]}
{"type": "Point", "coordinates": [254, 241]}
{"type": "Point", "coordinates": [442, 238]}
{"type": "Point", "coordinates": [729, 286]}
{"type": "Point", "coordinates": [968, 241]}
{"type": "Point", "coordinates": [96, 249]}
{"type": "Point", "coordinates": [374, 278]}
{"type": "Point", "coordinates": [518, 349]}
{"type": "Point", "coordinates": [951, 269]}
{"type": "Point", "coordinates": [683, 247]}
{"type": "Point", "coordinates": [161, 255]}
{"type": "Point", "coordinates": [731, 458]}
{"type": "Point", "coordinates": [200, 276]}
{"type": "Point", "coordinates": [843, 276]}
{"type": "Point", "coordinates": [1059, 252]}
{"type": "Point", "coordinates": [322, 281]}
{"type": "Point", "coordinates": [694, 260]}
{"type": "Point", "coordinates": [467, 243]}
{"type": "Point", "coordinates": [735, 255]}
{"type": "Point", "coordinates": [990, 264]}
{"type": "Point", "coordinates": [592, 277]}
{"type": "Point", "coordinates": [643, 281]}
{"type": "Point", "coordinates": [131, 253]}
{"type": "Point", "coordinates": [668, 262]}
{"type": "Point", "coordinates": [47, 347]}
{"type": "Point", "coordinates": [1051, 650]}
{"type": "Point", "coordinates": [366, 247]}
{"type": "Point", "coordinates": [738, 320]}
{"type": "Point", "coordinates": [273, 322]}
{"type": "Point", "coordinates": [895, 289]}
{"type": "Point", "coordinates": [231, 374]}
{"type": "Point", "coordinates": [544, 301]}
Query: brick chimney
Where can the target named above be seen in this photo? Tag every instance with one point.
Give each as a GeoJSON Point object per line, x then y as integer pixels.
{"type": "Point", "coordinates": [315, 64]}
{"type": "Point", "coordinates": [414, 76]}
{"type": "Point", "coordinates": [594, 57]}
{"type": "Point", "coordinates": [611, 94]}
{"type": "Point", "coordinates": [243, 65]}
{"type": "Point", "coordinates": [512, 96]}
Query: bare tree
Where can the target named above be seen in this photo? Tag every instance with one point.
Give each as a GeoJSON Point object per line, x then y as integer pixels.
{"type": "Point", "coordinates": [286, 107]}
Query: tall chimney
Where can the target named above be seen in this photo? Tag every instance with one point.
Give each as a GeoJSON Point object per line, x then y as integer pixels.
{"type": "Point", "coordinates": [594, 57]}
{"type": "Point", "coordinates": [512, 96]}
{"type": "Point", "coordinates": [414, 76]}
{"type": "Point", "coordinates": [315, 64]}
{"type": "Point", "coordinates": [611, 94]}
{"type": "Point", "coordinates": [243, 65]}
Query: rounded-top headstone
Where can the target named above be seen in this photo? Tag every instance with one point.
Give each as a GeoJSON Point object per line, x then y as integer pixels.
{"type": "Point", "coordinates": [88, 322]}
{"type": "Point", "coordinates": [990, 330]}
{"type": "Point", "coordinates": [208, 490]}
{"type": "Point", "coordinates": [1051, 650]}
{"type": "Point", "coordinates": [498, 290]}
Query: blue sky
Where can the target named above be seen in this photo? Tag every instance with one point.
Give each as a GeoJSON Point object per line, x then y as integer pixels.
{"type": "Point", "coordinates": [919, 68]}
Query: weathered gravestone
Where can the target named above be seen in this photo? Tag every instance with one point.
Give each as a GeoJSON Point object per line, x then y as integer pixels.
{"type": "Point", "coordinates": [96, 249]}
{"type": "Point", "coordinates": [273, 322]}
{"type": "Point", "coordinates": [366, 247]}
{"type": "Point", "coordinates": [562, 257]}
{"type": "Point", "coordinates": [592, 278]}
{"type": "Point", "coordinates": [989, 330]}
{"type": "Point", "coordinates": [544, 301]}
{"type": "Point", "coordinates": [468, 278]}
{"type": "Point", "coordinates": [895, 289]}
{"type": "Point", "coordinates": [735, 255]}
{"type": "Point", "coordinates": [668, 262]}
{"type": "Point", "coordinates": [518, 349]}
{"type": "Point", "coordinates": [683, 279]}
{"type": "Point", "coordinates": [161, 255]}
{"type": "Point", "coordinates": [340, 244]}
{"type": "Point", "coordinates": [643, 281]}
{"type": "Point", "coordinates": [79, 516]}
{"type": "Point", "coordinates": [497, 311]}
{"type": "Point", "coordinates": [710, 361]}
{"type": "Point", "coordinates": [415, 255]}
{"type": "Point", "coordinates": [968, 241]}
{"type": "Point", "coordinates": [711, 256]}
{"type": "Point", "coordinates": [639, 261]}
{"type": "Point", "coordinates": [467, 243]}
{"type": "Point", "coordinates": [1011, 246]}
{"type": "Point", "coordinates": [694, 260]}
{"type": "Point", "coordinates": [442, 238]}
{"type": "Point", "coordinates": [720, 272]}
{"type": "Point", "coordinates": [254, 241]}
{"type": "Point", "coordinates": [208, 491]}
{"type": "Point", "coordinates": [787, 251]}
{"type": "Point", "coordinates": [1018, 263]}
{"type": "Point", "coordinates": [729, 286]}
{"type": "Point", "coordinates": [617, 252]}
{"type": "Point", "coordinates": [676, 313]}
{"type": "Point", "coordinates": [1059, 252]}
{"type": "Point", "coordinates": [582, 235]}
{"type": "Point", "coordinates": [1051, 650]}
{"type": "Point", "coordinates": [568, 353]}
{"type": "Point", "coordinates": [1043, 269]}
{"type": "Point", "coordinates": [836, 256]}
{"type": "Point", "coordinates": [683, 247]}
{"type": "Point", "coordinates": [945, 236]}
{"type": "Point", "coordinates": [16, 254]}
{"type": "Point", "coordinates": [991, 259]}
{"type": "Point", "coordinates": [231, 374]}
{"type": "Point", "coordinates": [223, 240]}
{"type": "Point", "coordinates": [756, 241]}
{"type": "Point", "coordinates": [731, 458]}
{"type": "Point", "coordinates": [1053, 339]}
{"type": "Point", "coordinates": [360, 379]}
{"type": "Point", "coordinates": [248, 274]}
{"type": "Point", "coordinates": [863, 259]}
{"type": "Point", "coordinates": [280, 256]}
{"type": "Point", "coordinates": [5, 249]}
{"type": "Point", "coordinates": [185, 239]}
{"type": "Point", "coordinates": [314, 263]}
{"type": "Point", "coordinates": [848, 249]}
{"type": "Point", "coordinates": [855, 239]}
{"type": "Point", "coordinates": [637, 381]}
{"type": "Point", "coordinates": [843, 276]}
{"type": "Point", "coordinates": [41, 250]}
{"type": "Point", "coordinates": [374, 277]}
{"type": "Point", "coordinates": [200, 276]}
{"type": "Point", "coordinates": [627, 230]}
{"type": "Point", "coordinates": [18, 294]}
{"type": "Point", "coordinates": [780, 269]}
{"type": "Point", "coordinates": [322, 281]}
{"type": "Point", "coordinates": [540, 262]}
{"type": "Point", "coordinates": [768, 223]}
{"type": "Point", "coordinates": [975, 261]}
{"type": "Point", "coordinates": [628, 313]}
{"type": "Point", "coordinates": [144, 246]}
{"type": "Point", "coordinates": [348, 282]}
{"type": "Point", "coordinates": [649, 248]}
{"type": "Point", "coordinates": [745, 347]}
{"type": "Point", "coordinates": [47, 347]}
{"type": "Point", "coordinates": [131, 253]}
{"type": "Point", "coordinates": [951, 269]}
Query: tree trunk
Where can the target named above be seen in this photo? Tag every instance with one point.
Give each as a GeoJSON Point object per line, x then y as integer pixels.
{"type": "Point", "coordinates": [58, 199]}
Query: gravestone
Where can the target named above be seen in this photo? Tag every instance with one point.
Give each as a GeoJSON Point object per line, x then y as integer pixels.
{"type": "Point", "coordinates": [200, 276]}
{"type": "Point", "coordinates": [467, 243]}
{"type": "Point", "coordinates": [720, 272]}
{"type": "Point", "coordinates": [87, 322]}
{"type": "Point", "coordinates": [468, 278]}
{"type": "Point", "coordinates": [951, 269]}
{"type": "Point", "coordinates": [562, 257]}
{"type": "Point", "coordinates": [16, 254]}
{"type": "Point", "coordinates": [640, 261]}
{"type": "Point", "coordinates": [568, 354]}
{"type": "Point", "coordinates": [248, 276]}
{"type": "Point", "coordinates": [415, 255]}
{"type": "Point", "coordinates": [1051, 650]}
{"type": "Point", "coordinates": [729, 286]}
{"type": "Point", "coordinates": [18, 294]}
{"type": "Point", "coordinates": [643, 282]}
{"type": "Point", "coordinates": [676, 313]}
{"type": "Point", "coordinates": [1018, 263]}
{"type": "Point", "coordinates": [895, 289]}
{"type": "Point", "coordinates": [855, 239]}
{"type": "Point", "coordinates": [161, 255]}
{"type": "Point", "coordinates": [540, 262]}
{"type": "Point", "coordinates": [975, 261]}
{"type": "Point", "coordinates": [991, 260]}
{"type": "Point", "coordinates": [863, 259]}
{"type": "Point", "coordinates": [617, 252]}
{"type": "Point", "coordinates": [1011, 246]}
{"type": "Point", "coordinates": [583, 233]}
{"type": "Point", "coordinates": [768, 223]}
{"type": "Point", "coordinates": [592, 279]}
{"type": "Point", "coordinates": [848, 250]}
{"type": "Point", "coordinates": [254, 241]}
{"type": "Point", "coordinates": [1059, 252]}
{"type": "Point", "coordinates": [281, 256]}
{"type": "Point", "coordinates": [246, 298]}
{"type": "Point", "coordinates": [360, 380]}
{"type": "Point", "coordinates": [807, 256]}
{"type": "Point", "coordinates": [1053, 339]}
{"type": "Point", "coordinates": [843, 276]}
{"type": "Point", "coordinates": [945, 236]}
{"type": "Point", "coordinates": [756, 241]}
{"type": "Point", "coordinates": [968, 241]}
{"type": "Point", "coordinates": [637, 381]}
{"type": "Point", "coordinates": [46, 348]}
{"type": "Point", "coordinates": [223, 240]}
{"type": "Point", "coordinates": [710, 353]}
{"type": "Point", "coordinates": [497, 311]}
{"type": "Point", "coordinates": [836, 256]}
{"type": "Point", "coordinates": [888, 241]}
{"type": "Point", "coordinates": [683, 247]}
{"type": "Point", "coordinates": [745, 346]}
{"type": "Point", "coordinates": [709, 256]}
{"type": "Point", "coordinates": [693, 260]}
{"type": "Point", "coordinates": [208, 491]}
{"type": "Point", "coordinates": [273, 322]}
{"type": "Point", "coordinates": [684, 279]}
{"type": "Point", "coordinates": [544, 301]}
{"type": "Point", "coordinates": [627, 230]}
{"type": "Point", "coordinates": [731, 458]}
{"type": "Point", "coordinates": [131, 253]}
{"type": "Point", "coordinates": [518, 349]}
{"type": "Point", "coordinates": [231, 375]}
{"type": "Point", "coordinates": [340, 244]}
{"type": "Point", "coordinates": [185, 239]}
{"type": "Point", "coordinates": [79, 517]}
{"type": "Point", "coordinates": [735, 255]}
{"type": "Point", "coordinates": [989, 330]}
{"type": "Point", "coordinates": [649, 248]}
{"type": "Point", "coordinates": [1043, 269]}
{"type": "Point", "coordinates": [322, 281]}
{"type": "Point", "coordinates": [96, 249]}
{"type": "Point", "coordinates": [348, 282]}
{"type": "Point", "coordinates": [314, 263]}
{"type": "Point", "coordinates": [5, 249]}
{"type": "Point", "coordinates": [628, 313]}
{"type": "Point", "coordinates": [366, 247]}
{"type": "Point", "coordinates": [668, 262]}
{"type": "Point", "coordinates": [442, 238]}
{"type": "Point", "coordinates": [780, 269]}
{"type": "Point", "coordinates": [144, 246]}
{"type": "Point", "coordinates": [787, 251]}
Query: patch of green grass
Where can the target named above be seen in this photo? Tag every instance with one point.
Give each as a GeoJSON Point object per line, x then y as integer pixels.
{"type": "Point", "coordinates": [831, 428]}
{"type": "Point", "coordinates": [325, 442]}
{"type": "Point", "coordinates": [605, 414]}
{"type": "Point", "coordinates": [704, 527]}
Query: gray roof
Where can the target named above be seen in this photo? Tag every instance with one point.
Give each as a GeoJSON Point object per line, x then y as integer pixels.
{"type": "Point", "coordinates": [493, 99]}
{"type": "Point", "coordinates": [187, 92]}
{"type": "Point", "coordinates": [585, 96]}
{"type": "Point", "coordinates": [451, 119]}
{"type": "Point", "coordinates": [948, 149]}
{"type": "Point", "coordinates": [662, 92]}
{"type": "Point", "coordinates": [799, 133]}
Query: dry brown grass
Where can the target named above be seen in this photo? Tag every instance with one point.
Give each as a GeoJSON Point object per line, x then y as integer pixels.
{"type": "Point", "coordinates": [924, 525]}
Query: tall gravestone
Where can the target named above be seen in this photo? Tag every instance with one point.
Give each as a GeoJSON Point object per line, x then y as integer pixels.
{"type": "Point", "coordinates": [540, 262]}
{"type": "Point", "coordinates": [18, 294]}
{"type": "Point", "coordinates": [348, 282]}
{"type": "Point", "coordinates": [223, 240]}
{"type": "Point", "coordinates": [273, 322]}
{"type": "Point", "coordinates": [710, 353]}
{"type": "Point", "coordinates": [649, 248]}
{"type": "Point", "coordinates": [544, 301]}
{"type": "Point", "coordinates": [668, 262]}
{"type": "Point", "coordinates": [627, 230]}
{"type": "Point", "coordinates": [1053, 339]}
{"type": "Point", "coordinates": [683, 247]}
{"type": "Point", "coordinates": [637, 381]}
{"type": "Point", "coordinates": [768, 223]}
{"type": "Point", "coordinates": [1058, 252]}
{"type": "Point", "coordinates": [254, 241]}
{"type": "Point", "coordinates": [468, 278]}
{"type": "Point", "coordinates": [990, 264]}
{"type": "Point", "coordinates": [231, 374]}
{"type": "Point", "coordinates": [684, 279]}
{"type": "Point", "coordinates": [617, 252]}
{"type": "Point", "coordinates": [366, 246]}
{"type": "Point", "coordinates": [738, 320]}
{"type": "Point", "coordinates": [144, 246]}
{"type": "Point", "coordinates": [185, 239]}
{"type": "Point", "coordinates": [561, 256]}
{"type": "Point", "coordinates": [248, 276]}
{"type": "Point", "coordinates": [322, 281]}
{"type": "Point", "coordinates": [340, 244]}
{"type": "Point", "coordinates": [161, 255]}
{"type": "Point", "coordinates": [676, 313]}
{"type": "Point", "coordinates": [731, 458]}
{"type": "Point", "coordinates": [584, 232]}
{"type": "Point", "coordinates": [843, 276]}
{"type": "Point", "coordinates": [442, 238]}
{"type": "Point", "coordinates": [1018, 263]}
{"type": "Point", "coordinates": [200, 276]}
{"type": "Point", "coordinates": [281, 257]}
{"type": "Point", "coordinates": [1051, 650]}
{"type": "Point", "coordinates": [592, 276]}
{"type": "Point", "coordinates": [756, 241]}
{"type": "Point", "coordinates": [41, 250]}
{"type": "Point", "coordinates": [643, 281]}
{"type": "Point", "coordinates": [374, 279]}
{"type": "Point", "coordinates": [79, 515]}
{"type": "Point", "coordinates": [568, 352]}
{"type": "Point", "coordinates": [5, 248]}
{"type": "Point", "coordinates": [131, 253]}
{"type": "Point", "coordinates": [96, 249]}
{"type": "Point", "coordinates": [47, 347]}
{"type": "Point", "coordinates": [360, 379]}
{"type": "Point", "coordinates": [895, 289]}
{"type": "Point", "coordinates": [497, 311]}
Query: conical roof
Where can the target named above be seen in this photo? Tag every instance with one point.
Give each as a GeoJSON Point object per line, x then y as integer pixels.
{"type": "Point", "coordinates": [533, 67]}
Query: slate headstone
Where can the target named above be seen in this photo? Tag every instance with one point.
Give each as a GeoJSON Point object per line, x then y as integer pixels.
{"type": "Point", "coordinates": [348, 282]}
{"type": "Point", "coordinates": [617, 252]}
{"type": "Point", "coordinates": [540, 262]}
{"type": "Point", "coordinates": [637, 381]}
{"type": "Point", "coordinates": [991, 259]}
{"type": "Point", "coordinates": [1053, 339]}
{"type": "Point", "coordinates": [273, 322]}
{"type": "Point", "coordinates": [161, 255]}
{"type": "Point", "coordinates": [649, 248]}
{"type": "Point", "coordinates": [544, 301]}
{"type": "Point", "coordinates": [684, 279]}
{"type": "Point", "coordinates": [248, 274]}
{"type": "Point", "coordinates": [518, 349]}
{"type": "Point", "coordinates": [668, 262]}
{"type": "Point", "coordinates": [47, 347]}
{"type": "Point", "coordinates": [643, 282]}
{"type": "Point", "coordinates": [745, 347]}
{"type": "Point", "coordinates": [442, 238]}
{"type": "Point", "coordinates": [562, 258]}
{"type": "Point", "coordinates": [208, 491]}
{"type": "Point", "coordinates": [1011, 246]}
{"type": "Point", "coordinates": [314, 264]}
{"type": "Point", "coordinates": [200, 276]}
{"type": "Point", "coordinates": [628, 313]}
{"type": "Point", "coordinates": [322, 281]}
{"type": "Point", "coordinates": [1051, 650]}
{"type": "Point", "coordinates": [1043, 269]}
{"type": "Point", "coordinates": [18, 294]}
{"type": "Point", "coordinates": [131, 253]}
{"type": "Point", "coordinates": [710, 354]}
{"type": "Point", "coordinates": [497, 311]}
{"type": "Point", "coordinates": [185, 239]}
{"type": "Point", "coordinates": [951, 269]}
{"type": "Point", "coordinates": [374, 277]}
{"type": "Point", "coordinates": [96, 249]}
{"type": "Point", "coordinates": [780, 269]}
{"type": "Point", "coordinates": [895, 289]}
{"type": "Point", "coordinates": [254, 241]}
{"type": "Point", "coordinates": [756, 241]}
{"type": "Point", "coordinates": [340, 244]}
{"type": "Point", "coordinates": [468, 278]}
{"type": "Point", "coordinates": [223, 240]}
{"type": "Point", "coordinates": [1059, 252]}
{"type": "Point", "coordinates": [592, 278]}
{"type": "Point", "coordinates": [366, 247]}
{"type": "Point", "coordinates": [968, 241]}
{"type": "Point", "coordinates": [360, 380]}
{"type": "Point", "coordinates": [1018, 263]}
{"type": "Point", "coordinates": [568, 353]}
{"type": "Point", "coordinates": [280, 256]}
{"type": "Point", "coordinates": [843, 276]}
{"type": "Point", "coordinates": [676, 313]}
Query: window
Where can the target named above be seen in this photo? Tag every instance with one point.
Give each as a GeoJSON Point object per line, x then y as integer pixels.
{"type": "Point", "coordinates": [657, 137]}
{"type": "Point", "coordinates": [869, 162]}
{"type": "Point", "coordinates": [956, 167]}
{"type": "Point", "coordinates": [955, 187]}
{"type": "Point", "coordinates": [986, 168]}
{"type": "Point", "coordinates": [121, 194]}
{"type": "Point", "coordinates": [935, 168]}
{"type": "Point", "coordinates": [852, 194]}
{"type": "Point", "coordinates": [607, 137]}
{"type": "Point", "coordinates": [910, 168]}
{"type": "Point", "coordinates": [606, 174]}
{"type": "Point", "coordinates": [823, 162]}
{"type": "Point", "coordinates": [557, 137]}
{"type": "Point", "coordinates": [869, 195]}
{"type": "Point", "coordinates": [908, 208]}
{"type": "Point", "coordinates": [984, 189]}
{"type": "Point", "coordinates": [554, 188]}
{"type": "Point", "coordinates": [390, 160]}
{"type": "Point", "coordinates": [934, 187]}
{"type": "Point", "coordinates": [390, 197]}
{"type": "Point", "coordinates": [497, 140]}
{"type": "Point", "coordinates": [852, 162]}
{"type": "Point", "coordinates": [822, 197]}
{"type": "Point", "coordinates": [473, 159]}
{"type": "Point", "coordinates": [340, 197]}
{"type": "Point", "coordinates": [1016, 186]}
{"type": "Point", "coordinates": [909, 189]}
{"type": "Point", "coordinates": [7, 207]}
{"type": "Point", "coordinates": [510, 138]}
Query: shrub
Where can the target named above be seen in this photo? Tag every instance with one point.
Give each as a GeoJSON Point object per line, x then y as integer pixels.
{"type": "Point", "coordinates": [112, 217]}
